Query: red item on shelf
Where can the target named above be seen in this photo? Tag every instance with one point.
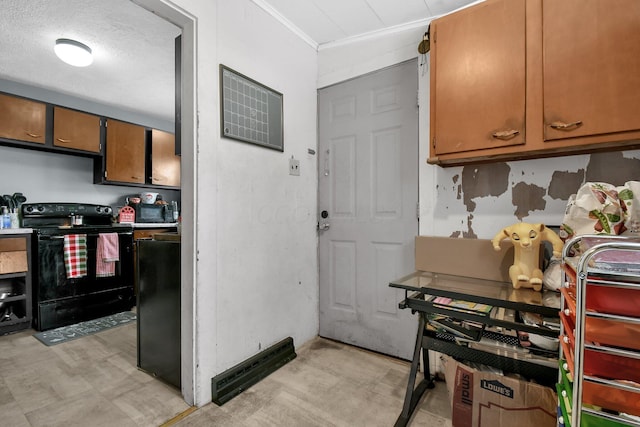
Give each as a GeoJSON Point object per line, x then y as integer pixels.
{"type": "Point", "coordinates": [127, 215]}
{"type": "Point", "coordinates": [607, 332]}
{"type": "Point", "coordinates": [596, 363]}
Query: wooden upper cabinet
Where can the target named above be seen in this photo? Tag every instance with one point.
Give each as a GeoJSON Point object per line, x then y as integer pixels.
{"type": "Point", "coordinates": [22, 119]}
{"type": "Point", "coordinates": [77, 130]}
{"type": "Point", "coordinates": [564, 75]}
{"type": "Point", "coordinates": [125, 152]}
{"type": "Point", "coordinates": [165, 165]}
{"type": "Point", "coordinates": [478, 63]}
{"type": "Point", "coordinates": [591, 67]}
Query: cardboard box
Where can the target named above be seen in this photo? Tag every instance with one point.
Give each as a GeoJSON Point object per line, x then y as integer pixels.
{"type": "Point", "coordinates": [13, 262]}
{"type": "Point", "coordinates": [483, 399]}
{"type": "Point", "coordinates": [10, 244]}
{"type": "Point", "coordinates": [13, 255]}
{"type": "Point", "coordinates": [466, 257]}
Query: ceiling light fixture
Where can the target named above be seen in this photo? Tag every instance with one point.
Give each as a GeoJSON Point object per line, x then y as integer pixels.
{"type": "Point", "coordinates": [73, 52]}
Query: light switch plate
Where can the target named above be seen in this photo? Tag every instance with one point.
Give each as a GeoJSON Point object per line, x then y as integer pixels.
{"type": "Point", "coordinates": [294, 167]}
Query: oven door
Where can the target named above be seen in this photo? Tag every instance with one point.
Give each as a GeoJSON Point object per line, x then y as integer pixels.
{"type": "Point", "coordinates": [60, 301]}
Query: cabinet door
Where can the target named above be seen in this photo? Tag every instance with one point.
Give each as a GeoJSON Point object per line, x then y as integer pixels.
{"type": "Point", "coordinates": [591, 67]}
{"type": "Point", "coordinates": [478, 78]}
{"type": "Point", "coordinates": [22, 119]}
{"type": "Point", "coordinates": [77, 130]}
{"type": "Point", "coordinates": [165, 165]}
{"type": "Point", "coordinates": [125, 152]}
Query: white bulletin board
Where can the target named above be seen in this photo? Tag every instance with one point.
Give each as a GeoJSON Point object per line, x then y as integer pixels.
{"type": "Point", "coordinates": [251, 112]}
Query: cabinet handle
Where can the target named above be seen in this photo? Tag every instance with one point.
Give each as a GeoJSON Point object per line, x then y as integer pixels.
{"type": "Point", "coordinates": [33, 135]}
{"type": "Point", "coordinates": [63, 140]}
{"type": "Point", "coordinates": [505, 134]}
{"type": "Point", "coordinates": [135, 177]}
{"type": "Point", "coordinates": [565, 126]}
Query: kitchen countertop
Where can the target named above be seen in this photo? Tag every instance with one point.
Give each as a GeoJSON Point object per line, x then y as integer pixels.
{"type": "Point", "coordinates": [154, 225]}
{"type": "Point", "coordinates": [16, 231]}
{"type": "Point", "coordinates": [167, 237]}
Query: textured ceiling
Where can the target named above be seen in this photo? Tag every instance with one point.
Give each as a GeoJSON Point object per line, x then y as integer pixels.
{"type": "Point", "coordinates": [134, 49]}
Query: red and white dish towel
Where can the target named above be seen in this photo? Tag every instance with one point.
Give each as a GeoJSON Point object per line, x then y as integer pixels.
{"type": "Point", "coordinates": [107, 254]}
{"type": "Point", "coordinates": [75, 255]}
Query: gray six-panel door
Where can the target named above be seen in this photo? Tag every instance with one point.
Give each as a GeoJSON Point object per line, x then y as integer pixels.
{"type": "Point", "coordinates": [368, 194]}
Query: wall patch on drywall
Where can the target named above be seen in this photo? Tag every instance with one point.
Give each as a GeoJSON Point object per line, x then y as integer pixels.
{"type": "Point", "coordinates": [526, 198]}
{"type": "Point", "coordinates": [484, 181]}
{"type": "Point", "coordinates": [563, 184]}
{"type": "Point", "coordinates": [612, 168]}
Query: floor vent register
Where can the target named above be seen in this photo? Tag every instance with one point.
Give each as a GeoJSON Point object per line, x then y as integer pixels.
{"type": "Point", "coordinates": [235, 380]}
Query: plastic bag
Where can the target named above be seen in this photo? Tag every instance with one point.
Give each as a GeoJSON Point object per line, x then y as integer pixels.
{"type": "Point", "coordinates": [595, 209]}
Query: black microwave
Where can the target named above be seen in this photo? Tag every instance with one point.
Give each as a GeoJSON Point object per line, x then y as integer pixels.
{"type": "Point", "coordinates": [148, 213]}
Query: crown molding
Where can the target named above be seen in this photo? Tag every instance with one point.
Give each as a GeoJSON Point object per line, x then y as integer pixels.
{"type": "Point", "coordinates": [288, 24]}
{"type": "Point", "coordinates": [409, 26]}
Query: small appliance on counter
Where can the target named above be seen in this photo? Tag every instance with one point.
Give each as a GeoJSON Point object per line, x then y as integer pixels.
{"type": "Point", "coordinates": [153, 213]}
{"type": "Point", "coordinates": [150, 198]}
{"type": "Point", "coordinates": [149, 208]}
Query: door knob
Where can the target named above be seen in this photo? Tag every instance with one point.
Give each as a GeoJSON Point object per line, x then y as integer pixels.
{"type": "Point", "coordinates": [324, 225]}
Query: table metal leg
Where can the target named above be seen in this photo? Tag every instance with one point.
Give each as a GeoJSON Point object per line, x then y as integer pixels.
{"type": "Point", "coordinates": [413, 394]}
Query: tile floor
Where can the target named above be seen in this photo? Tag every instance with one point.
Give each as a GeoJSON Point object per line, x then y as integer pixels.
{"type": "Point", "coordinates": [94, 381]}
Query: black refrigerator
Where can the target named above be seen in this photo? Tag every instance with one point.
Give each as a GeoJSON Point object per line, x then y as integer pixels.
{"type": "Point", "coordinates": [158, 308]}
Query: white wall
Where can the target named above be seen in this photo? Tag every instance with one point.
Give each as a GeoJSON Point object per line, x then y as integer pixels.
{"type": "Point", "coordinates": [267, 263]}
{"type": "Point", "coordinates": [338, 62]}
{"type": "Point", "coordinates": [46, 177]}
{"type": "Point", "coordinates": [255, 225]}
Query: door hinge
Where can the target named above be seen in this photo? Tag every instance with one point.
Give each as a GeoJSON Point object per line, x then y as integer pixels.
{"type": "Point", "coordinates": [105, 174]}
{"type": "Point", "coordinates": [418, 211]}
{"type": "Point", "coordinates": [418, 98]}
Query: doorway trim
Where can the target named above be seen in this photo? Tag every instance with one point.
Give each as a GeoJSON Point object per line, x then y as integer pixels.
{"type": "Point", "coordinates": [188, 171]}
